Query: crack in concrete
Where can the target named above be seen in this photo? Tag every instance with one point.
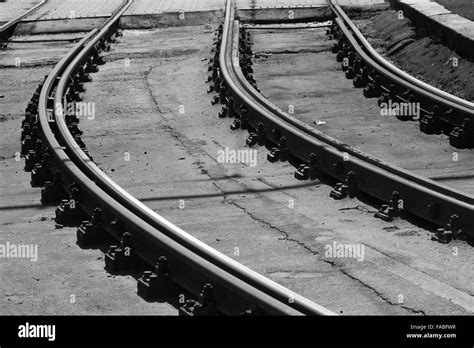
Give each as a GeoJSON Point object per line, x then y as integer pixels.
{"type": "Point", "coordinates": [150, 93]}
{"type": "Point", "coordinates": [184, 141]}
{"type": "Point", "coordinates": [331, 263]}
{"type": "Point", "coordinates": [286, 235]}
{"type": "Point", "coordinates": [189, 146]}
{"type": "Point", "coordinates": [379, 294]}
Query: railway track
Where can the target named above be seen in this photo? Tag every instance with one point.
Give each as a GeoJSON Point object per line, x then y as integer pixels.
{"type": "Point", "coordinates": [440, 111]}
{"type": "Point", "coordinates": [59, 162]}
{"type": "Point", "coordinates": [316, 155]}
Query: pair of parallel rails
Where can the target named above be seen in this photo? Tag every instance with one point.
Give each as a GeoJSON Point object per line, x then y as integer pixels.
{"type": "Point", "coordinates": [399, 192]}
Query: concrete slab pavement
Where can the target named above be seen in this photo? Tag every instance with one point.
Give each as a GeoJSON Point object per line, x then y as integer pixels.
{"type": "Point", "coordinates": [81, 15]}
{"type": "Point", "coordinates": [64, 9]}
{"type": "Point", "coordinates": [71, 9]}
{"type": "Point", "coordinates": [14, 8]}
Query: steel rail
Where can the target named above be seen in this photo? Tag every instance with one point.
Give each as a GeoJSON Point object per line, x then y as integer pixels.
{"type": "Point", "coordinates": [421, 197]}
{"type": "Point", "coordinates": [392, 77]}
{"type": "Point", "coordinates": [443, 189]}
{"type": "Point", "coordinates": [286, 299]}
{"type": "Point", "coordinates": [7, 29]}
{"type": "Point", "coordinates": [430, 92]}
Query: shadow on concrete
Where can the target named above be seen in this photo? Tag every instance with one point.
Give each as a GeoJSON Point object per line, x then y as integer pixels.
{"type": "Point", "coordinates": [190, 196]}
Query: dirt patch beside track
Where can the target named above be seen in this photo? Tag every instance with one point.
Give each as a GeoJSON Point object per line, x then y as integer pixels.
{"type": "Point", "coordinates": [423, 57]}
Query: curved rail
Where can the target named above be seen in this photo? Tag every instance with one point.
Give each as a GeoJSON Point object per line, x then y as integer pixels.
{"type": "Point", "coordinates": [317, 152]}
{"type": "Point", "coordinates": [441, 111]}
{"type": "Point", "coordinates": [233, 283]}
{"type": "Point", "coordinates": [250, 93]}
{"type": "Point", "coordinates": [429, 91]}
{"type": "Point", "coordinates": [7, 29]}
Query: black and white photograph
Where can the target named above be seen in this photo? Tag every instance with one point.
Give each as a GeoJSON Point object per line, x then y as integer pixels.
{"type": "Point", "coordinates": [294, 171]}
